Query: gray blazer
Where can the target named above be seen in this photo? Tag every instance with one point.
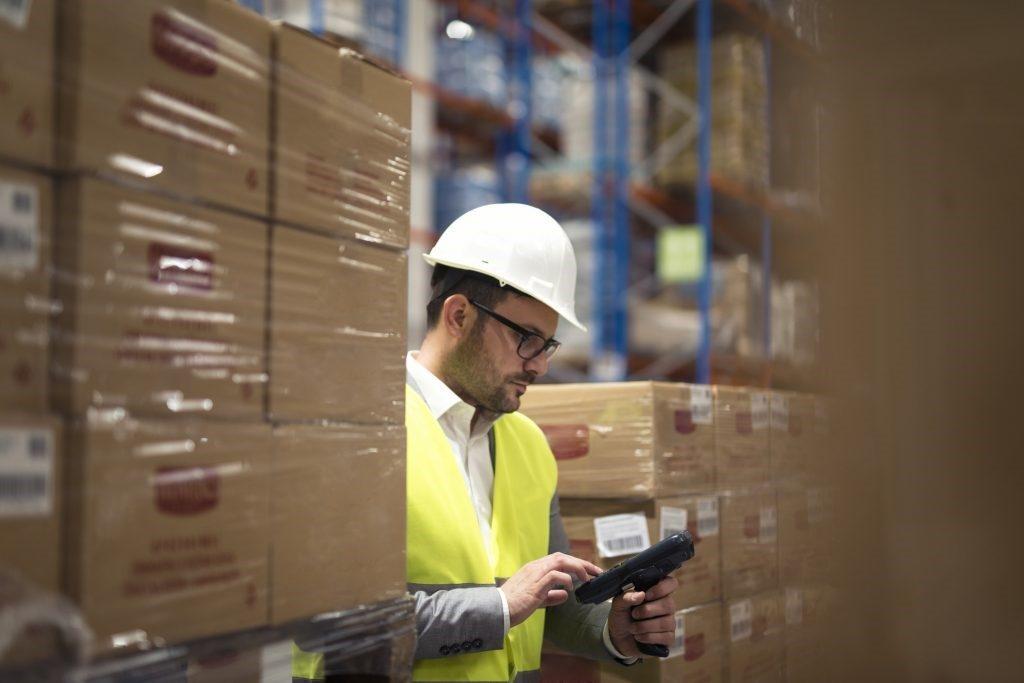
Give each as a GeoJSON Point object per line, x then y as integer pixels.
{"type": "Point", "coordinates": [456, 620]}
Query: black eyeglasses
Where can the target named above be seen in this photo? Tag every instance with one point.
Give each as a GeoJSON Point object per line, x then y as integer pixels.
{"type": "Point", "coordinates": [531, 344]}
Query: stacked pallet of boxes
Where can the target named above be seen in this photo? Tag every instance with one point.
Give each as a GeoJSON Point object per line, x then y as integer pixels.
{"type": "Point", "coordinates": [636, 464]}
{"type": "Point", "coordinates": [188, 515]}
{"type": "Point", "coordinates": [804, 503]}
{"type": "Point", "coordinates": [338, 273]}
{"type": "Point", "coordinates": [31, 470]}
{"type": "Point", "coordinates": [739, 140]}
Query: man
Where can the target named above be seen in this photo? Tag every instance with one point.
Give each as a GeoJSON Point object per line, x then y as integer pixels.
{"type": "Point", "coordinates": [487, 553]}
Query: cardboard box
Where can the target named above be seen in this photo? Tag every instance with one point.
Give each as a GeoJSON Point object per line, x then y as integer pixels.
{"type": "Point", "coordinates": [31, 476]}
{"type": "Point", "coordinates": [754, 628]}
{"type": "Point", "coordinates": [749, 543]}
{"type": "Point", "coordinates": [163, 305]}
{"type": "Point", "coordinates": [171, 95]}
{"type": "Point", "coordinates": [337, 329]}
{"type": "Point", "coordinates": [636, 440]}
{"type": "Point", "coordinates": [27, 33]}
{"type": "Point", "coordinates": [168, 526]}
{"type": "Point", "coordinates": [697, 656]}
{"type": "Point", "coordinates": [342, 141]}
{"type": "Point", "coordinates": [700, 577]}
{"type": "Point", "coordinates": [742, 420]}
{"type": "Point", "coordinates": [26, 227]}
{"type": "Point", "coordinates": [807, 614]}
{"type": "Point", "coordinates": [322, 540]}
{"type": "Point", "coordinates": [792, 427]}
{"type": "Point", "coordinates": [805, 528]}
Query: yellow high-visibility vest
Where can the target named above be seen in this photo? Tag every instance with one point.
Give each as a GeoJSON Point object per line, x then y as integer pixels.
{"type": "Point", "coordinates": [444, 543]}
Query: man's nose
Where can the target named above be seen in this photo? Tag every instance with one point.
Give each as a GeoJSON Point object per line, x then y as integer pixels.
{"type": "Point", "coordinates": [538, 367]}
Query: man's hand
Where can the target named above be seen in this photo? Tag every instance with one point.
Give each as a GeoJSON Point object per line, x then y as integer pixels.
{"type": "Point", "coordinates": [647, 617]}
{"type": "Point", "coordinates": [544, 583]}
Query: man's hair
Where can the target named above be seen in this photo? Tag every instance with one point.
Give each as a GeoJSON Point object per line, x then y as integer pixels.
{"type": "Point", "coordinates": [478, 287]}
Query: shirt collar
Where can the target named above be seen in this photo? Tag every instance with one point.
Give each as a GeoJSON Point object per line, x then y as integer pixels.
{"type": "Point", "coordinates": [438, 396]}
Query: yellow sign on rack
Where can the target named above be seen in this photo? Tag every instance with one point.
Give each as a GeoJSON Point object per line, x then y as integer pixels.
{"type": "Point", "coordinates": [680, 254]}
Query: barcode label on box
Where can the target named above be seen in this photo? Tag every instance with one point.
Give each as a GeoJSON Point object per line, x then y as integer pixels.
{"type": "Point", "coordinates": [26, 472]}
{"type": "Point", "coordinates": [707, 516]}
{"type": "Point", "coordinates": [760, 411]}
{"type": "Point", "coordinates": [276, 662]}
{"type": "Point", "coordinates": [780, 413]}
{"type": "Point", "coordinates": [701, 405]}
{"type": "Point", "coordinates": [621, 534]}
{"type": "Point", "coordinates": [678, 647]}
{"type": "Point", "coordinates": [19, 226]}
{"type": "Point", "coordinates": [741, 620]}
{"type": "Point", "coordinates": [15, 12]}
{"type": "Point", "coordinates": [769, 525]}
{"type": "Point", "coordinates": [794, 607]}
{"type": "Point", "coordinates": [673, 521]}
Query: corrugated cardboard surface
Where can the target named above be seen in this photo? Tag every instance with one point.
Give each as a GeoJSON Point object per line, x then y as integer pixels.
{"type": "Point", "coordinates": [700, 577]}
{"type": "Point", "coordinates": [792, 434]}
{"type": "Point", "coordinates": [807, 610]}
{"type": "Point", "coordinates": [31, 498]}
{"type": "Point", "coordinates": [741, 438]}
{"type": "Point", "coordinates": [163, 305]}
{"type": "Point", "coordinates": [759, 655]}
{"type": "Point", "coordinates": [805, 529]}
{"type": "Point", "coordinates": [625, 440]}
{"type": "Point", "coordinates": [338, 518]}
{"type": "Point", "coordinates": [337, 330]}
{"type": "Point", "coordinates": [175, 96]}
{"type": "Point", "coordinates": [26, 228]}
{"type": "Point", "coordinates": [699, 657]}
{"type": "Point", "coordinates": [26, 83]}
{"type": "Point", "coordinates": [342, 141]}
{"type": "Point", "coordinates": [168, 526]}
{"type": "Point", "coordinates": [749, 542]}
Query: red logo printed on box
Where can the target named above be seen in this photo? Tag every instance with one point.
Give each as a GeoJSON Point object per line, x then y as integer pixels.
{"type": "Point", "coordinates": [180, 267]}
{"type": "Point", "coordinates": [684, 422]}
{"type": "Point", "coordinates": [694, 647]}
{"type": "Point", "coordinates": [796, 427]}
{"type": "Point", "coordinates": [567, 441]}
{"type": "Point", "coordinates": [744, 423]}
{"type": "Point", "coordinates": [752, 526]}
{"type": "Point", "coordinates": [182, 491]}
{"type": "Point", "coordinates": [185, 46]}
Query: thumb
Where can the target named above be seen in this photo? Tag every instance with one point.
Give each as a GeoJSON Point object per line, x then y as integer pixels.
{"type": "Point", "coordinates": [626, 601]}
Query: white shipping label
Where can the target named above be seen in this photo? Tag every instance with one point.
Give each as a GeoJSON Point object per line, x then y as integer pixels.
{"type": "Point", "coordinates": [780, 413]}
{"type": "Point", "coordinates": [701, 405]}
{"type": "Point", "coordinates": [794, 607]}
{"type": "Point", "coordinates": [276, 662]}
{"type": "Point", "coordinates": [760, 410]}
{"type": "Point", "coordinates": [19, 225]}
{"type": "Point", "coordinates": [741, 620]}
{"type": "Point", "coordinates": [621, 534]}
{"type": "Point", "coordinates": [679, 645]}
{"type": "Point", "coordinates": [707, 516]}
{"type": "Point", "coordinates": [26, 472]}
{"type": "Point", "coordinates": [15, 12]}
{"type": "Point", "coordinates": [673, 521]}
{"type": "Point", "coordinates": [769, 525]}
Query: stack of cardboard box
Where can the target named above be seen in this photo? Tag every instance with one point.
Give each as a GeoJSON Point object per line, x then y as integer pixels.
{"type": "Point", "coordinates": [218, 276]}
{"type": "Point", "coordinates": [636, 464]}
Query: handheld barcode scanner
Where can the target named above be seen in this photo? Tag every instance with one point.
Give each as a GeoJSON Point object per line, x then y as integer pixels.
{"type": "Point", "coordinates": [640, 572]}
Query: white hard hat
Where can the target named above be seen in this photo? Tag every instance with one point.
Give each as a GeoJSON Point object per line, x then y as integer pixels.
{"type": "Point", "coordinates": [519, 246]}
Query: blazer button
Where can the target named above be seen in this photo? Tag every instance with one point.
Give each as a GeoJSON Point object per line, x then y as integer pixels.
{"type": "Point", "coordinates": [477, 644]}
{"type": "Point", "coordinates": [443, 651]}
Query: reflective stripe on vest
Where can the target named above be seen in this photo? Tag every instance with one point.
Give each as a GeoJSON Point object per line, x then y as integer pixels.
{"type": "Point", "coordinates": [444, 542]}
{"type": "Point", "coordinates": [306, 666]}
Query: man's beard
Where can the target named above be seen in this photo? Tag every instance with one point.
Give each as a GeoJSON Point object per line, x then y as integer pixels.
{"type": "Point", "coordinates": [470, 368]}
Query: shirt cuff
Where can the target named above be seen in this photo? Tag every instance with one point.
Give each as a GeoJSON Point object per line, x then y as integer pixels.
{"type": "Point", "coordinates": [612, 649]}
{"type": "Point", "coordinates": [505, 613]}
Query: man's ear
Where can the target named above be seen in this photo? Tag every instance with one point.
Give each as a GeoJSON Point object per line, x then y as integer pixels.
{"type": "Point", "coordinates": [457, 316]}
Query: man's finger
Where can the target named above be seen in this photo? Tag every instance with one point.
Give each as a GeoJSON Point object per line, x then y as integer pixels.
{"type": "Point", "coordinates": [658, 608]}
{"type": "Point", "coordinates": [556, 597]}
{"type": "Point", "coordinates": [556, 580]}
{"type": "Point", "coordinates": [657, 625]}
{"type": "Point", "coordinates": [664, 587]}
{"type": "Point", "coordinates": [625, 601]}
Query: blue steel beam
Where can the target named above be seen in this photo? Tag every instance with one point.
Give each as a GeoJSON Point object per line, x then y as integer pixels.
{"type": "Point", "coordinates": [514, 149]}
{"type": "Point", "coordinates": [704, 194]}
